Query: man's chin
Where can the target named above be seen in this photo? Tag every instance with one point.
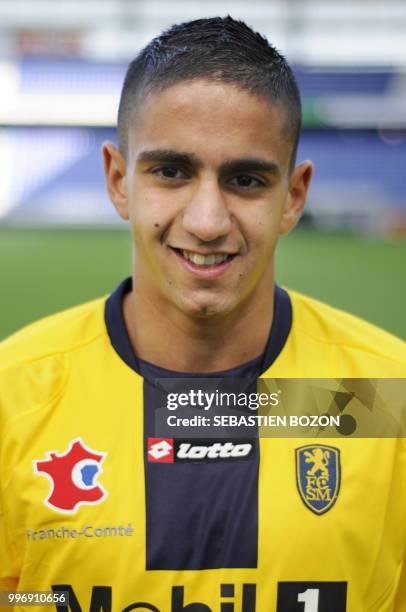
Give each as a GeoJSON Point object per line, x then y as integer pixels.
{"type": "Point", "coordinates": [205, 309]}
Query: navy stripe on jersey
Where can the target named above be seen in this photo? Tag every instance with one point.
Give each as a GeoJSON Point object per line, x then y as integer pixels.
{"type": "Point", "coordinates": [199, 515]}
{"type": "Point", "coordinates": [280, 329]}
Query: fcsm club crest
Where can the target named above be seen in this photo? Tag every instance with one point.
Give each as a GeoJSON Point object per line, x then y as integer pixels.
{"type": "Point", "coordinates": [73, 476]}
{"type": "Point", "coordinates": [318, 476]}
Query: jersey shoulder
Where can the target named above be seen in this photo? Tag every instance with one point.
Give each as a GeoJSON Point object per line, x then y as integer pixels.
{"type": "Point", "coordinates": [34, 361]}
{"type": "Point", "coordinates": [331, 327]}
{"type": "Point", "coordinates": [57, 333]}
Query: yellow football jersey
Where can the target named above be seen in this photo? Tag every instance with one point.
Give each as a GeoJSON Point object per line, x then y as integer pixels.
{"type": "Point", "coordinates": [94, 504]}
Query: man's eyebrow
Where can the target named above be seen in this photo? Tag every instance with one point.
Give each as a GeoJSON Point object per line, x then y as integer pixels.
{"type": "Point", "coordinates": [169, 156]}
{"type": "Point", "coordinates": [246, 164]}
{"type": "Point", "coordinates": [250, 164]}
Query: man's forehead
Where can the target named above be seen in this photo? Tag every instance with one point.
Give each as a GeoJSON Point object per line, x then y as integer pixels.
{"type": "Point", "coordinates": [199, 95]}
{"type": "Point", "coordinates": [206, 115]}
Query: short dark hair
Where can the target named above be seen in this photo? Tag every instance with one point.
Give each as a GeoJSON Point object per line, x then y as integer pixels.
{"type": "Point", "coordinates": [218, 48]}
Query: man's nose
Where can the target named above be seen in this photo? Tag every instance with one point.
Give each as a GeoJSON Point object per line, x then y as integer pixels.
{"type": "Point", "coordinates": [206, 215]}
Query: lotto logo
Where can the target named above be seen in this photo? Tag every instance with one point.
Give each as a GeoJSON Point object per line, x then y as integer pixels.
{"type": "Point", "coordinates": [168, 450]}
{"type": "Point", "coordinates": [160, 450]}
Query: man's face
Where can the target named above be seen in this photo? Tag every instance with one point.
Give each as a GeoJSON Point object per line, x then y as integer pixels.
{"type": "Point", "coordinates": [207, 190]}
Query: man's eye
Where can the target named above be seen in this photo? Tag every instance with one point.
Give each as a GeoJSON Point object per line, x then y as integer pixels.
{"type": "Point", "coordinates": [169, 172]}
{"type": "Point", "coordinates": [245, 181]}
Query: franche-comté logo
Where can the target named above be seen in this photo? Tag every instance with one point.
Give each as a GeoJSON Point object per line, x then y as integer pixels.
{"type": "Point", "coordinates": [169, 450]}
{"type": "Point", "coordinates": [73, 476]}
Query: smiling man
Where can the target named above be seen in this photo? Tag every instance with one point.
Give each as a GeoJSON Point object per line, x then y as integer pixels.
{"type": "Point", "coordinates": [205, 179]}
{"type": "Point", "coordinates": [95, 502]}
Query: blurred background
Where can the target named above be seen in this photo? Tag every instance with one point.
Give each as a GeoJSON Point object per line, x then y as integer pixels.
{"type": "Point", "coordinates": [61, 69]}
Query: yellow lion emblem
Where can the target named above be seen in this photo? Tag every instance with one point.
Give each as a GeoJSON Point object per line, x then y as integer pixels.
{"type": "Point", "coordinates": [320, 459]}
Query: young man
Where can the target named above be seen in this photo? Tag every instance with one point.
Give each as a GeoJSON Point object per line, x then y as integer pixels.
{"type": "Point", "coordinates": [93, 502]}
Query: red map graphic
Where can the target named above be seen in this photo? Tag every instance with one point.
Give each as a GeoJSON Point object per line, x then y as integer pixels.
{"type": "Point", "coordinates": [65, 494]}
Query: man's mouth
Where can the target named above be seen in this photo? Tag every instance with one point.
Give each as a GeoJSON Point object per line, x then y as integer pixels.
{"type": "Point", "coordinates": [206, 260]}
{"type": "Point", "coordinates": [205, 265]}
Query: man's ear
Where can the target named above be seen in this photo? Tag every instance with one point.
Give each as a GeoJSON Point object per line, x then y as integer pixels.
{"type": "Point", "coordinates": [299, 182]}
{"type": "Point", "coordinates": [115, 173]}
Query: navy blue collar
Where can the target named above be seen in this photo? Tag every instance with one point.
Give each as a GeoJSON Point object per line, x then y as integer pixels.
{"type": "Point", "coordinates": [120, 340]}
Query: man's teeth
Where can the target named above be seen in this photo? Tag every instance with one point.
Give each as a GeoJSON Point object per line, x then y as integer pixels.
{"type": "Point", "coordinates": [205, 260]}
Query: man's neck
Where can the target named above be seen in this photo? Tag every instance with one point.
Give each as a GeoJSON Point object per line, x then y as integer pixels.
{"type": "Point", "coordinates": [169, 338]}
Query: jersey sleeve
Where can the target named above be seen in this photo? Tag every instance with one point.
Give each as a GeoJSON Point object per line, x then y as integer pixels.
{"type": "Point", "coordinates": [8, 559]}
{"type": "Point", "coordinates": [24, 386]}
{"type": "Point", "coordinates": [400, 602]}
{"type": "Point", "coordinates": [9, 573]}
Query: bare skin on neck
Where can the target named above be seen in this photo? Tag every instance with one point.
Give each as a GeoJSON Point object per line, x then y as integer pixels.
{"type": "Point", "coordinates": [179, 343]}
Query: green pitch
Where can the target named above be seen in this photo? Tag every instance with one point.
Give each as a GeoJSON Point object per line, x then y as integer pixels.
{"type": "Point", "coordinates": [48, 270]}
